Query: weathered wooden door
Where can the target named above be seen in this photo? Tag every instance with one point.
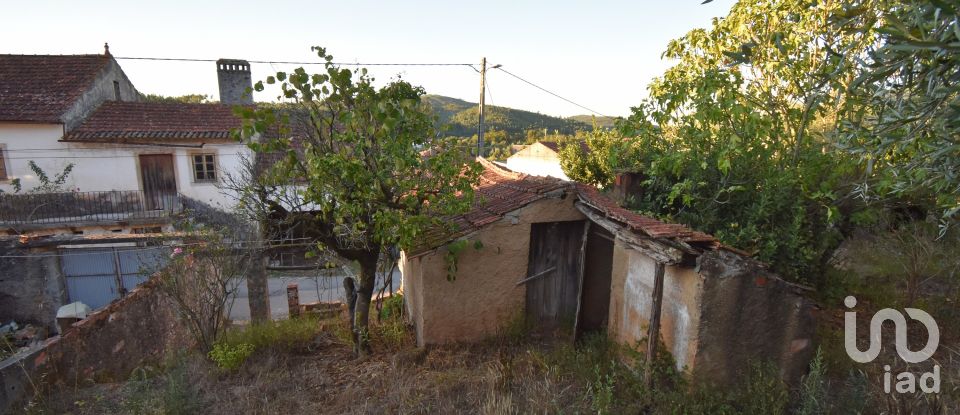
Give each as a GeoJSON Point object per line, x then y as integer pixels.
{"type": "Point", "coordinates": [597, 270]}
{"type": "Point", "coordinates": [159, 181]}
{"type": "Point", "coordinates": [553, 274]}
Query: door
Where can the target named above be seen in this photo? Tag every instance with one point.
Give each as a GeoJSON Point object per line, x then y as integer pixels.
{"type": "Point", "coordinates": [159, 181]}
{"type": "Point", "coordinates": [97, 276]}
{"type": "Point", "coordinates": [553, 274]}
{"type": "Point", "coordinates": [597, 268]}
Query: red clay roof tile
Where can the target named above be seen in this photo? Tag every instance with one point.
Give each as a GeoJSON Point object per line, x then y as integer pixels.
{"type": "Point", "coordinates": [132, 121]}
{"type": "Point", "coordinates": [41, 88]}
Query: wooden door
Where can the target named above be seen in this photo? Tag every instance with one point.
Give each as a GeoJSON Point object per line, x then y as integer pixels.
{"type": "Point", "coordinates": [159, 181]}
{"type": "Point", "coordinates": [553, 271]}
{"type": "Point", "coordinates": [597, 270]}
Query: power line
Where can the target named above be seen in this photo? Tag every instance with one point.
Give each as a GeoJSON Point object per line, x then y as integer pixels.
{"type": "Point", "coordinates": [549, 92]}
{"type": "Point", "coordinates": [301, 63]}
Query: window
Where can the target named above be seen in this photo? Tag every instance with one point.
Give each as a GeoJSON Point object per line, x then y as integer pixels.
{"type": "Point", "coordinates": [3, 162]}
{"type": "Point", "coordinates": [204, 168]}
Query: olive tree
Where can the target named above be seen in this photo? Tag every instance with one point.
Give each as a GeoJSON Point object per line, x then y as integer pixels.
{"type": "Point", "coordinates": [355, 148]}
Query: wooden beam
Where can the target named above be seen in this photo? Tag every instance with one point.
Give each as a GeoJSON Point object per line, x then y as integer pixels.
{"type": "Point", "coordinates": [659, 251]}
{"type": "Point", "coordinates": [653, 332]}
{"type": "Point", "coordinates": [583, 260]}
{"type": "Point", "coordinates": [537, 275]}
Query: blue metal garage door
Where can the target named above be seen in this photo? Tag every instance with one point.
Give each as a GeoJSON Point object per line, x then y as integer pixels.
{"type": "Point", "coordinates": [97, 276]}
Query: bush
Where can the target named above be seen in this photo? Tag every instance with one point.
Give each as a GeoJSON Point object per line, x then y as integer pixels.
{"type": "Point", "coordinates": [230, 357]}
{"type": "Point", "coordinates": [392, 307]}
{"type": "Point", "coordinates": [285, 334]}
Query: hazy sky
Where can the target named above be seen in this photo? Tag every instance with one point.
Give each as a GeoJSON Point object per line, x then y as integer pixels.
{"type": "Point", "coordinates": [600, 54]}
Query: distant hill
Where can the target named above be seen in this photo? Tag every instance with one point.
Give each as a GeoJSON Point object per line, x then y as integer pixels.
{"type": "Point", "coordinates": [603, 122]}
{"type": "Point", "coordinates": [460, 117]}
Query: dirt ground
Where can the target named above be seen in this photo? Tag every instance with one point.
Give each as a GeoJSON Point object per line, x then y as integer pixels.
{"type": "Point", "coordinates": [324, 377]}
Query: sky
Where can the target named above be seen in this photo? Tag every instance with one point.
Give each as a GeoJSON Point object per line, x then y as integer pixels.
{"type": "Point", "coordinates": [599, 54]}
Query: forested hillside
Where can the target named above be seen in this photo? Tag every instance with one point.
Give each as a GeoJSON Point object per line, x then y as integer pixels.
{"type": "Point", "coordinates": [505, 126]}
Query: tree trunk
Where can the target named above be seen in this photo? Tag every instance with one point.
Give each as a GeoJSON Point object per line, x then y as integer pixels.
{"type": "Point", "coordinates": [364, 293]}
{"type": "Point", "coordinates": [258, 291]}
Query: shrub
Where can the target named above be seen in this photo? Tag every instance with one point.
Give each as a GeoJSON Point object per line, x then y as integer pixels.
{"type": "Point", "coordinates": [392, 307]}
{"type": "Point", "coordinates": [230, 357]}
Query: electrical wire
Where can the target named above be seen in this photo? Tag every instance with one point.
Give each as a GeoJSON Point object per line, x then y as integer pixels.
{"type": "Point", "coordinates": [277, 243]}
{"type": "Point", "coordinates": [549, 92]}
{"type": "Point", "coordinates": [300, 63]}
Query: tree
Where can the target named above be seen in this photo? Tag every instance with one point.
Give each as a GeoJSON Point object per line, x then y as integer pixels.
{"type": "Point", "coordinates": [732, 139]}
{"type": "Point", "coordinates": [904, 110]}
{"type": "Point", "coordinates": [357, 154]}
{"type": "Point", "coordinates": [202, 279]}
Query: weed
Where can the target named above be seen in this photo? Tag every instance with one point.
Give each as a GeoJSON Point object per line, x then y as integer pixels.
{"type": "Point", "coordinates": [813, 389]}
{"type": "Point", "coordinates": [287, 334]}
{"type": "Point", "coordinates": [763, 391]}
{"type": "Point", "coordinates": [392, 307]}
{"type": "Point", "coordinates": [601, 389]}
{"type": "Point", "coordinates": [230, 357]}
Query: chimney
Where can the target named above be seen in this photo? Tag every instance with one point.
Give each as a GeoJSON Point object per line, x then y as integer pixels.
{"type": "Point", "coordinates": [236, 85]}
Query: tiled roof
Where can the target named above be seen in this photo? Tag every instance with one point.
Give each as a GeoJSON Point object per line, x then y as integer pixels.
{"type": "Point", "coordinates": [138, 121]}
{"type": "Point", "coordinates": [501, 191]}
{"type": "Point", "coordinates": [41, 88]}
{"type": "Point", "coordinates": [640, 224]}
{"type": "Point", "coordinates": [498, 192]}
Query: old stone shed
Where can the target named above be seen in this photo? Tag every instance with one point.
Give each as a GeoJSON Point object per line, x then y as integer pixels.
{"type": "Point", "coordinates": [570, 261]}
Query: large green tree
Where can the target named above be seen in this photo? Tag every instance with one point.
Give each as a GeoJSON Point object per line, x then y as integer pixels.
{"type": "Point", "coordinates": [903, 116]}
{"type": "Point", "coordinates": [732, 138]}
{"type": "Point", "coordinates": [356, 150]}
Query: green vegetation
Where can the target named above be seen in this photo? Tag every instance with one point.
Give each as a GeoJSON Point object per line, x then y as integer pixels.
{"type": "Point", "coordinates": [363, 174]}
{"type": "Point", "coordinates": [459, 118]}
{"type": "Point", "coordinates": [505, 127]}
{"type": "Point", "coordinates": [230, 357]}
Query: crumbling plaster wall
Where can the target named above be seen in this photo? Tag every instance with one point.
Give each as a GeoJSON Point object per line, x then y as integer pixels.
{"type": "Point", "coordinates": [631, 296]}
{"type": "Point", "coordinates": [751, 316]}
{"type": "Point", "coordinates": [485, 295]}
{"type": "Point", "coordinates": [32, 286]}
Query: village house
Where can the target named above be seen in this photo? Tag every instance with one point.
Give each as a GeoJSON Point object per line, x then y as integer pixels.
{"type": "Point", "coordinates": [135, 166]}
{"type": "Point", "coordinates": [131, 160]}
{"type": "Point", "coordinates": [539, 159]}
{"type": "Point", "coordinates": [567, 259]}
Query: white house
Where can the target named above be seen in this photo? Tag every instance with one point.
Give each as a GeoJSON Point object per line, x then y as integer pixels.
{"type": "Point", "coordinates": [539, 159]}
{"type": "Point", "coordinates": [82, 110]}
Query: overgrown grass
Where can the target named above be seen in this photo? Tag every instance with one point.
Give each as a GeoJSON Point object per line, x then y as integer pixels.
{"type": "Point", "coordinates": [237, 344]}
{"type": "Point", "coordinates": [284, 334]}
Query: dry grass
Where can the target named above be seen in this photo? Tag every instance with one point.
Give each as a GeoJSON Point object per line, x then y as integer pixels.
{"type": "Point", "coordinates": [510, 374]}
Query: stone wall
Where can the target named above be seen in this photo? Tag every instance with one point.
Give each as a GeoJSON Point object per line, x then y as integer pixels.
{"type": "Point", "coordinates": [32, 286]}
{"type": "Point", "coordinates": [141, 328]}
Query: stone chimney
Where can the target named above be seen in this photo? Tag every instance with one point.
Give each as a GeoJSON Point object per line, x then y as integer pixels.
{"type": "Point", "coordinates": [236, 85]}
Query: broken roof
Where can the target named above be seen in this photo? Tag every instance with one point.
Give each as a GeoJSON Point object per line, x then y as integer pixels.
{"type": "Point", "coordinates": [501, 191]}
{"type": "Point", "coordinates": [116, 122]}
{"type": "Point", "coordinates": [41, 88]}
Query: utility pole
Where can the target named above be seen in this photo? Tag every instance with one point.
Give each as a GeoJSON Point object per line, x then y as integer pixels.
{"type": "Point", "coordinates": [483, 96]}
